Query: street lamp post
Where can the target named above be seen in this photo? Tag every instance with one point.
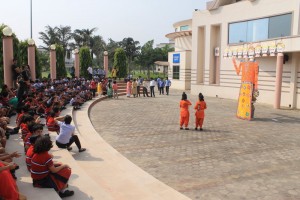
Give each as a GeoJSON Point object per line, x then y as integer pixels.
{"type": "Point", "coordinates": [30, 18]}
{"type": "Point", "coordinates": [53, 61]}
{"type": "Point", "coordinates": [31, 57]}
{"type": "Point", "coordinates": [7, 56]}
{"type": "Point", "coordinates": [105, 62]}
{"type": "Point", "coordinates": [76, 62]}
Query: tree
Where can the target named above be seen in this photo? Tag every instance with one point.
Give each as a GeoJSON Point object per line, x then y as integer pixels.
{"type": "Point", "coordinates": [98, 46]}
{"type": "Point", "coordinates": [85, 61]}
{"type": "Point", "coordinates": [165, 50]}
{"type": "Point", "coordinates": [111, 48]}
{"type": "Point", "coordinates": [131, 49]}
{"type": "Point", "coordinates": [60, 62]}
{"type": "Point", "coordinates": [120, 62]}
{"type": "Point", "coordinates": [147, 56]}
{"type": "Point", "coordinates": [64, 34]}
{"type": "Point", "coordinates": [50, 36]}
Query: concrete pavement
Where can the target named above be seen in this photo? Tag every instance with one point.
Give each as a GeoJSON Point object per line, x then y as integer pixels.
{"type": "Point", "coordinates": [230, 159]}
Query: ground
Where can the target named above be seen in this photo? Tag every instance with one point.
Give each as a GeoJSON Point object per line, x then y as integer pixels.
{"type": "Point", "coordinates": [230, 159]}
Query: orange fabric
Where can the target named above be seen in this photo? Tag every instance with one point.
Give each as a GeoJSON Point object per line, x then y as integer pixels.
{"type": "Point", "coordinates": [8, 189]}
{"type": "Point", "coordinates": [184, 112]}
{"type": "Point", "coordinates": [199, 114]}
{"type": "Point", "coordinates": [249, 72]}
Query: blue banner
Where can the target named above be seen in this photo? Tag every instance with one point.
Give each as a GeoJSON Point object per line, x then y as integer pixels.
{"type": "Point", "coordinates": [176, 58]}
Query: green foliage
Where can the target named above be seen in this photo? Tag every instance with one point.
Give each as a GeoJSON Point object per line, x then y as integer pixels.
{"type": "Point", "coordinates": [120, 62]}
{"type": "Point", "coordinates": [85, 61]}
{"type": "Point", "coordinates": [23, 55]}
{"type": "Point", "coordinates": [60, 62]}
{"type": "Point", "coordinates": [38, 66]}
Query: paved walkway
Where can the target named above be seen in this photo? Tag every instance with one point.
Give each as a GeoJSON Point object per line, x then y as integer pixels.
{"type": "Point", "coordinates": [230, 159]}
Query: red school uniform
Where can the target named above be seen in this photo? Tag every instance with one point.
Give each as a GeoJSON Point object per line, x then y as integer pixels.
{"type": "Point", "coordinates": [24, 131]}
{"type": "Point", "coordinates": [52, 125]}
{"type": "Point", "coordinates": [29, 155]}
{"type": "Point", "coordinates": [43, 177]}
{"type": "Point", "coordinates": [8, 188]}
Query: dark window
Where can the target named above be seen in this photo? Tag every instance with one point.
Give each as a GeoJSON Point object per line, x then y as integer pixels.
{"type": "Point", "coordinates": [260, 29]}
{"type": "Point", "coordinates": [280, 26]}
{"type": "Point", "coordinates": [176, 70]}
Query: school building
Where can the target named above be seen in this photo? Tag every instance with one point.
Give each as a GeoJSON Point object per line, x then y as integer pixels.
{"type": "Point", "coordinates": [265, 30]}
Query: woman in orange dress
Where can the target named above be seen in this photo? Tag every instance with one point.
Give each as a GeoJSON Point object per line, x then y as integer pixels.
{"type": "Point", "coordinates": [184, 111]}
{"type": "Point", "coordinates": [199, 114]}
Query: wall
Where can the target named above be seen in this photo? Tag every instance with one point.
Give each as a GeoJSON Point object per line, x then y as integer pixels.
{"type": "Point", "coordinates": [207, 25]}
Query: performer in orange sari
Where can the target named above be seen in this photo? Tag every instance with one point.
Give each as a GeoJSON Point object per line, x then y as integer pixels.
{"type": "Point", "coordinates": [199, 114]}
{"type": "Point", "coordinates": [184, 111]}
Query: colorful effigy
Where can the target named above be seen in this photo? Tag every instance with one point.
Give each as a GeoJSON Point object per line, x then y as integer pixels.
{"type": "Point", "coordinates": [248, 89]}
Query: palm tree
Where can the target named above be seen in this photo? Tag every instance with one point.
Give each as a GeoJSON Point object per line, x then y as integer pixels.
{"type": "Point", "coordinates": [50, 36]}
{"type": "Point", "coordinates": [84, 37]}
{"type": "Point", "coordinates": [64, 34]}
{"type": "Point", "coordinates": [131, 49]}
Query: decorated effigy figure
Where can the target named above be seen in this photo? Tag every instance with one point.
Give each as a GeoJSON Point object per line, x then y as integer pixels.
{"type": "Point", "coordinates": [249, 87]}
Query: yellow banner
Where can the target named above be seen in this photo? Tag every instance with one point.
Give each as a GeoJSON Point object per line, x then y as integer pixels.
{"type": "Point", "coordinates": [244, 105]}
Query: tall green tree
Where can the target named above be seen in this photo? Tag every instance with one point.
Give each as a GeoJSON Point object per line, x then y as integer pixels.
{"type": "Point", "coordinates": [120, 62]}
{"type": "Point", "coordinates": [131, 49]}
{"type": "Point", "coordinates": [60, 62]}
{"type": "Point", "coordinates": [85, 61]}
{"type": "Point", "coordinates": [147, 56]}
{"type": "Point", "coordinates": [38, 64]}
{"type": "Point", "coordinates": [165, 50]}
{"type": "Point", "coordinates": [23, 55]}
{"type": "Point", "coordinates": [50, 36]}
{"type": "Point", "coordinates": [111, 48]}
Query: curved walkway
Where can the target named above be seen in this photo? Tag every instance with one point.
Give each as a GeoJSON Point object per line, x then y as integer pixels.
{"type": "Point", "coordinates": [231, 159]}
{"type": "Point", "coordinates": [119, 178]}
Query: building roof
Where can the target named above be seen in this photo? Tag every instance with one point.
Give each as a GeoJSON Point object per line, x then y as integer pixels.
{"type": "Point", "coordinates": [162, 63]}
{"type": "Point", "coordinates": [179, 34]}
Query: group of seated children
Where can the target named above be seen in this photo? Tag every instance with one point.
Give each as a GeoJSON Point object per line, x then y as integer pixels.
{"type": "Point", "coordinates": [41, 99]}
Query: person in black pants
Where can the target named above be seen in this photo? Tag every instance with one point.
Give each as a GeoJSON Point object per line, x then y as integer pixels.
{"type": "Point", "coordinates": [66, 135]}
{"type": "Point", "coordinates": [152, 85]}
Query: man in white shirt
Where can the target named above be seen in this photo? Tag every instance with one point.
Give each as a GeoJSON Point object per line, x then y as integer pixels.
{"type": "Point", "coordinates": [66, 136]}
{"type": "Point", "coordinates": [152, 85]}
{"type": "Point", "coordinates": [90, 71]}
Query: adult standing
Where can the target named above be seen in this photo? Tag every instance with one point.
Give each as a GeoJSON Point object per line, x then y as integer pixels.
{"type": "Point", "coordinates": [152, 85]}
{"type": "Point", "coordinates": [161, 85]}
{"type": "Point", "coordinates": [90, 72]}
{"type": "Point", "coordinates": [93, 87]}
{"type": "Point", "coordinates": [72, 71]}
{"type": "Point", "coordinates": [139, 84]}
{"type": "Point", "coordinates": [145, 88]}
{"type": "Point", "coordinates": [128, 89]}
{"type": "Point", "coordinates": [16, 71]}
{"type": "Point", "coordinates": [134, 88]}
{"type": "Point", "coordinates": [114, 73]}
{"type": "Point", "coordinates": [168, 85]}
{"type": "Point", "coordinates": [158, 81]}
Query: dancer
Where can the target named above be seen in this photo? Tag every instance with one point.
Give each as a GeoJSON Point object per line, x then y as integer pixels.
{"type": "Point", "coordinates": [184, 111]}
{"type": "Point", "coordinates": [199, 114]}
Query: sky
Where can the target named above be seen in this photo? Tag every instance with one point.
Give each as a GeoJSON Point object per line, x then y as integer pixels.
{"type": "Point", "coordinates": [143, 20]}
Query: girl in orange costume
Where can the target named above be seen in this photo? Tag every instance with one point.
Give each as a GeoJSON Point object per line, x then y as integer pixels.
{"type": "Point", "coordinates": [184, 111]}
{"type": "Point", "coordinates": [199, 107]}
